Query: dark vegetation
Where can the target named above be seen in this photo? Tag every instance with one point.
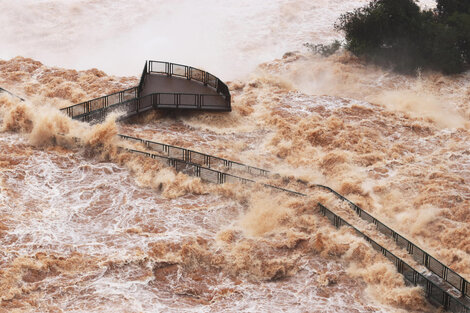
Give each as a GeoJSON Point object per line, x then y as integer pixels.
{"type": "Point", "coordinates": [398, 34]}
{"type": "Point", "coordinates": [324, 50]}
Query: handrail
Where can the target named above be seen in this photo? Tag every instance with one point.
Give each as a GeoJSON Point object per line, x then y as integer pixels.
{"type": "Point", "coordinates": [421, 256]}
{"type": "Point", "coordinates": [101, 102]}
{"type": "Point", "coordinates": [217, 177]}
{"type": "Point", "coordinates": [10, 93]}
{"type": "Point", "coordinates": [208, 160]}
{"type": "Point", "coordinates": [190, 73]}
{"type": "Point", "coordinates": [433, 291]}
{"type": "Point", "coordinates": [101, 112]}
{"type": "Point", "coordinates": [198, 103]}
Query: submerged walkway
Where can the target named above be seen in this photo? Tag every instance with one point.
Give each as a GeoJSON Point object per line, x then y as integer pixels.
{"type": "Point", "coordinates": [166, 86]}
{"type": "Point", "coordinates": [443, 286]}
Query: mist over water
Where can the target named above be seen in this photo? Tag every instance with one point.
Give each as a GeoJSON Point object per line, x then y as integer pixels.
{"type": "Point", "coordinates": [85, 227]}
{"type": "Point", "coordinates": [228, 38]}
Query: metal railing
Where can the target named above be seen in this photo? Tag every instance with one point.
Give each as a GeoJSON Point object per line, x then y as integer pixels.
{"type": "Point", "coordinates": [126, 109]}
{"type": "Point", "coordinates": [192, 156]}
{"type": "Point", "coordinates": [78, 110]}
{"type": "Point", "coordinates": [190, 73]}
{"type": "Point", "coordinates": [207, 174]}
{"type": "Point", "coordinates": [434, 292]}
{"type": "Point", "coordinates": [10, 93]}
{"type": "Point", "coordinates": [421, 256]}
{"type": "Point", "coordinates": [135, 106]}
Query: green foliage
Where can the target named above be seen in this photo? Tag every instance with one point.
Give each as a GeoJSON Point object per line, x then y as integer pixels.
{"type": "Point", "coordinates": [324, 50]}
{"type": "Point", "coordinates": [448, 7]}
{"type": "Point", "coordinates": [460, 23]}
{"type": "Point", "coordinates": [397, 34]}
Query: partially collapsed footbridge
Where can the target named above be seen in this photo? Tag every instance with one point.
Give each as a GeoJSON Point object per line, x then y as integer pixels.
{"type": "Point", "coordinates": [169, 86]}
{"type": "Point", "coordinates": [163, 86]}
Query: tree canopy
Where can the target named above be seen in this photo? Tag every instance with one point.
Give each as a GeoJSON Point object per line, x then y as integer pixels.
{"type": "Point", "coordinates": [398, 34]}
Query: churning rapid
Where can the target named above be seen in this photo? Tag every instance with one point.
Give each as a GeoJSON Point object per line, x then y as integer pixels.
{"type": "Point", "coordinates": [86, 227]}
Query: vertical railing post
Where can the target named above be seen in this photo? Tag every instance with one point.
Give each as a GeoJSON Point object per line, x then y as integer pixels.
{"type": "Point", "coordinates": [400, 266]}
{"type": "Point", "coordinates": [409, 247]}
{"type": "Point", "coordinates": [428, 288]}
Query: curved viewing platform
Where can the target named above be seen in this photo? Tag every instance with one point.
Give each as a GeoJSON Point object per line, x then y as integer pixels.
{"type": "Point", "coordinates": [163, 86]}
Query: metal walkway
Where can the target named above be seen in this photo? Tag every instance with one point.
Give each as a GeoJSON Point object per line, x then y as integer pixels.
{"type": "Point", "coordinates": [443, 286]}
{"type": "Point", "coordinates": [163, 86]}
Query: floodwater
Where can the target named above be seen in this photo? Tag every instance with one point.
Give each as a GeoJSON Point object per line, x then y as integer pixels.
{"type": "Point", "coordinates": [85, 227]}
